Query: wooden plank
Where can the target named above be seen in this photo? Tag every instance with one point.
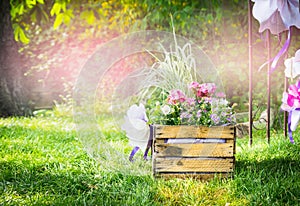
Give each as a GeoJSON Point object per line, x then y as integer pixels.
{"type": "Point", "coordinates": [194, 150]}
{"type": "Point", "coordinates": [193, 165]}
{"type": "Point", "coordinates": [191, 131]}
{"type": "Point", "coordinates": [196, 176]}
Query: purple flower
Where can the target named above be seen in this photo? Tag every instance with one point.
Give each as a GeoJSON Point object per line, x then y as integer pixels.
{"type": "Point", "coordinates": [215, 118]}
{"type": "Point", "coordinates": [199, 113]}
{"type": "Point", "coordinates": [185, 115]}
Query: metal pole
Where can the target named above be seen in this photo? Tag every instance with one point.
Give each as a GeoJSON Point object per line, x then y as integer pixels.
{"type": "Point", "coordinates": [268, 86]}
{"type": "Point", "coordinates": [250, 71]}
{"type": "Point", "coordinates": [285, 114]}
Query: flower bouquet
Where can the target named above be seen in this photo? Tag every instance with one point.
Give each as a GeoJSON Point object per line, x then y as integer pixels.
{"type": "Point", "coordinates": [181, 113]}
{"type": "Point", "coordinates": [201, 106]}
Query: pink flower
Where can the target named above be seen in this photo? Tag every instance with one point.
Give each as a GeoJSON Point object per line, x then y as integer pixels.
{"type": "Point", "coordinates": [210, 87]}
{"type": "Point", "coordinates": [290, 103]}
{"type": "Point", "coordinates": [176, 96]}
{"type": "Point", "coordinates": [220, 95]}
{"type": "Point", "coordinates": [194, 85]}
{"type": "Point", "coordinates": [206, 90]}
{"type": "Point", "coordinates": [190, 101]}
{"type": "Point", "coordinates": [293, 96]}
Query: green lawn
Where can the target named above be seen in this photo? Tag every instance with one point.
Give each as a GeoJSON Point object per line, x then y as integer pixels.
{"type": "Point", "coordinates": [43, 163]}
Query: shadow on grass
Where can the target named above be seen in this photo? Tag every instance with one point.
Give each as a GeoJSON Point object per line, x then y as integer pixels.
{"type": "Point", "coordinates": [269, 182]}
{"type": "Point", "coordinates": [48, 166]}
{"type": "Point", "coordinates": [51, 184]}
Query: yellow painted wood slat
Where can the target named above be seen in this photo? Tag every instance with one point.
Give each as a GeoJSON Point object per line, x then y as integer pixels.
{"type": "Point", "coordinates": [193, 165]}
{"type": "Point", "coordinates": [194, 150]}
{"type": "Point", "coordinates": [190, 131]}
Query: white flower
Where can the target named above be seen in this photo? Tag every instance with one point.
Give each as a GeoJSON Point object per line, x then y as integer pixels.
{"type": "Point", "coordinates": [136, 127]}
{"type": "Point", "coordinates": [276, 15]}
{"type": "Point", "coordinates": [223, 102]}
{"type": "Point", "coordinates": [295, 117]}
{"type": "Point", "coordinates": [166, 109]}
{"type": "Point", "coordinates": [215, 102]}
{"type": "Point", "coordinates": [292, 66]}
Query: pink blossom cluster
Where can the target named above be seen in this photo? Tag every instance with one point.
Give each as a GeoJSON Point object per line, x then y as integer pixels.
{"type": "Point", "coordinates": [291, 99]}
{"type": "Point", "coordinates": [203, 90]}
{"type": "Point", "coordinates": [200, 90]}
{"type": "Point", "coordinates": [176, 96]}
{"type": "Point", "coordinates": [205, 107]}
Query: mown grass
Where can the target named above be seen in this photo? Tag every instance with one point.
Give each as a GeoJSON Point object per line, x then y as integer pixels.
{"type": "Point", "coordinates": [43, 163]}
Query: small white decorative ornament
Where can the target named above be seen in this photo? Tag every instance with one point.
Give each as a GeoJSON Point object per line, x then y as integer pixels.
{"type": "Point", "coordinates": [292, 66]}
{"type": "Point", "coordinates": [136, 127]}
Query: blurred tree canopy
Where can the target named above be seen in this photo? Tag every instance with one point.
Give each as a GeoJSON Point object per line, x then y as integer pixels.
{"type": "Point", "coordinates": [56, 37]}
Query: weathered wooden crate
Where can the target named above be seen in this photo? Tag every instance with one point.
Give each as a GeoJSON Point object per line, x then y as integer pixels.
{"type": "Point", "coordinates": [193, 151]}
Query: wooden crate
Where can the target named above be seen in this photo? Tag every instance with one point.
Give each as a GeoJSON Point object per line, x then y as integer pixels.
{"type": "Point", "coordinates": [193, 151]}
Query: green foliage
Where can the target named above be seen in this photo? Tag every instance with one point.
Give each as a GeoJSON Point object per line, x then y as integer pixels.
{"type": "Point", "coordinates": [19, 34]}
{"type": "Point", "coordinates": [20, 11]}
{"type": "Point", "coordinates": [75, 28]}
{"type": "Point", "coordinates": [63, 15]}
{"type": "Point", "coordinates": [177, 69]}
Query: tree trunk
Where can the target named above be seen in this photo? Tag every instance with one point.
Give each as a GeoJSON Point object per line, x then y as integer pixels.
{"type": "Point", "coordinates": [13, 100]}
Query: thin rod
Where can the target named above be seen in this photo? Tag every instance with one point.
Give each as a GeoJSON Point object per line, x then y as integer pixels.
{"type": "Point", "coordinates": [268, 86]}
{"type": "Point", "coordinates": [250, 71]}
{"type": "Point", "coordinates": [285, 114]}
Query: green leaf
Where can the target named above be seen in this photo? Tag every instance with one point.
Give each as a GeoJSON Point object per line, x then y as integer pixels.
{"type": "Point", "coordinates": [24, 39]}
{"type": "Point", "coordinates": [21, 9]}
{"type": "Point", "coordinates": [34, 16]}
{"type": "Point", "coordinates": [64, 6]}
{"type": "Point", "coordinates": [45, 15]}
{"type": "Point", "coordinates": [30, 3]}
{"type": "Point", "coordinates": [88, 16]}
{"type": "Point", "coordinates": [41, 1]}
{"type": "Point", "coordinates": [55, 9]}
{"type": "Point", "coordinates": [19, 34]}
{"type": "Point", "coordinates": [16, 28]}
{"type": "Point", "coordinates": [58, 20]}
{"type": "Point", "coordinates": [17, 10]}
{"type": "Point", "coordinates": [66, 19]}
